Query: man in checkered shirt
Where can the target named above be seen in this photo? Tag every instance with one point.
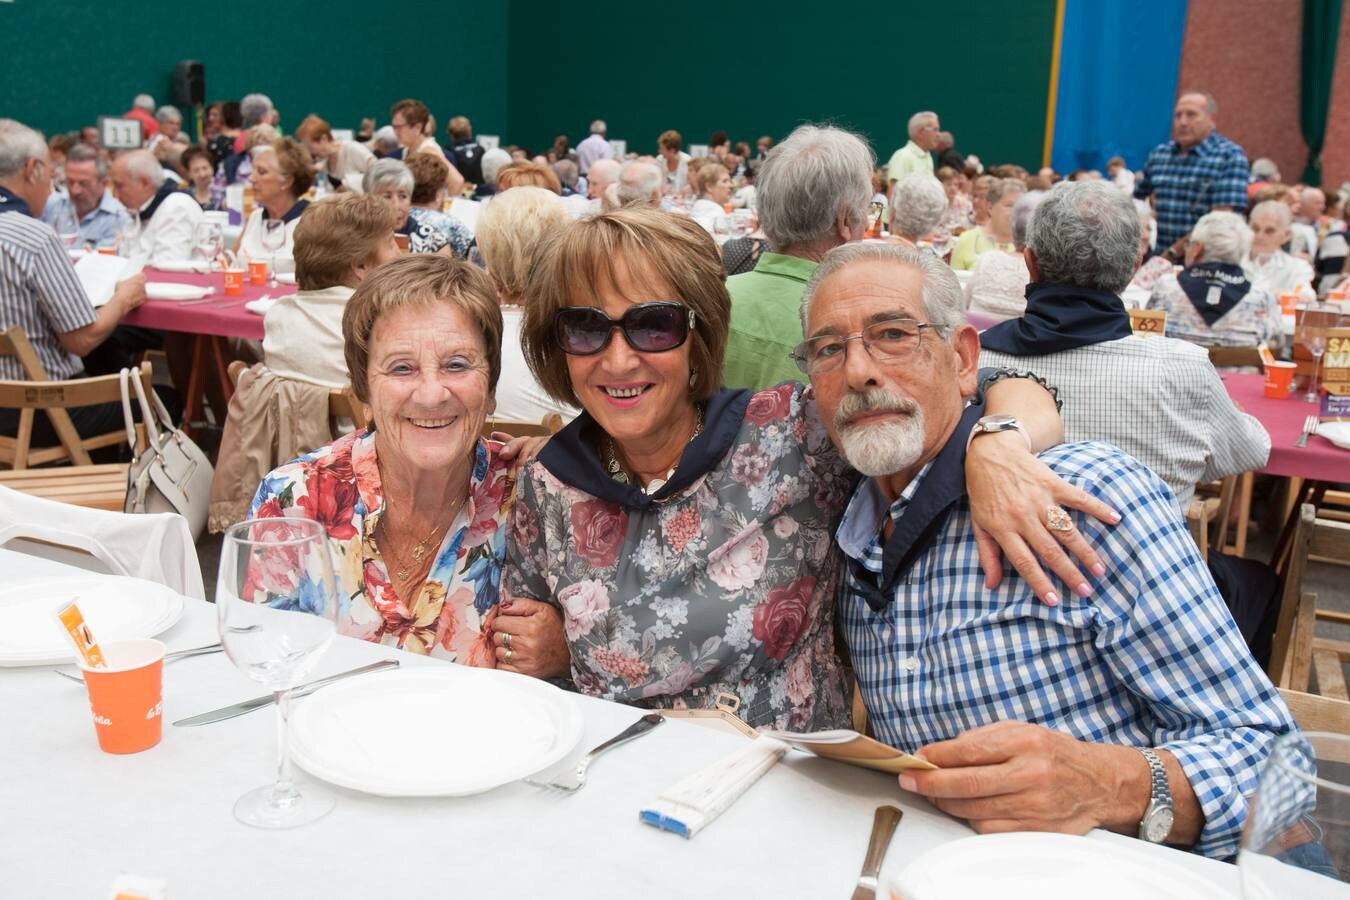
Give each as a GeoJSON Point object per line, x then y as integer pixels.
{"type": "Point", "coordinates": [1196, 172]}
{"type": "Point", "coordinates": [1086, 713]}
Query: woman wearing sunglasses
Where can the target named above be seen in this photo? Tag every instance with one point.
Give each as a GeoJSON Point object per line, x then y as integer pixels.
{"type": "Point", "coordinates": [684, 531]}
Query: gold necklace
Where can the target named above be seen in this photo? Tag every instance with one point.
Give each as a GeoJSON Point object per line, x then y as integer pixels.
{"type": "Point", "coordinates": [617, 472]}
{"type": "Point", "coordinates": [422, 548]}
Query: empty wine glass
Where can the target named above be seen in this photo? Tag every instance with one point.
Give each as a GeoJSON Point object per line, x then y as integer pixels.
{"type": "Point", "coordinates": [208, 240]}
{"type": "Point", "coordinates": [1317, 345]}
{"type": "Point", "coordinates": [67, 225]}
{"type": "Point", "coordinates": [273, 239]}
{"type": "Point", "coordinates": [276, 602]}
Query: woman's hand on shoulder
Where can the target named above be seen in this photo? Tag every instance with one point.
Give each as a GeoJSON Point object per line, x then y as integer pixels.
{"type": "Point", "coordinates": [1011, 493]}
{"type": "Point", "coordinates": [528, 638]}
{"type": "Point", "coordinates": [518, 449]}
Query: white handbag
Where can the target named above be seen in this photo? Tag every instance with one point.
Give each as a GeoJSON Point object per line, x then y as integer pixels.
{"type": "Point", "coordinates": [173, 474]}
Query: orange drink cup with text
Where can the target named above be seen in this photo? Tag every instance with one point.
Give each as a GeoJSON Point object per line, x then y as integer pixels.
{"type": "Point", "coordinates": [234, 281]}
{"type": "Point", "coordinates": [126, 695]}
{"type": "Point", "coordinates": [1279, 375]}
{"type": "Point", "coordinates": [257, 272]}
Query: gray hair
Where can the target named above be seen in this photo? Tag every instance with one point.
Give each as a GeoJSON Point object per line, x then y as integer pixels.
{"type": "Point", "coordinates": [638, 181]}
{"type": "Point", "coordinates": [145, 102]}
{"type": "Point", "coordinates": [493, 160]}
{"type": "Point", "coordinates": [1278, 208]}
{"type": "Point", "coordinates": [385, 173]}
{"type": "Point", "coordinates": [1001, 186]}
{"type": "Point", "coordinates": [1211, 105]}
{"type": "Point", "coordinates": [19, 144]}
{"type": "Point", "coordinates": [254, 108]}
{"type": "Point", "coordinates": [567, 172]}
{"type": "Point", "coordinates": [807, 179]}
{"type": "Point", "coordinates": [385, 137]}
{"type": "Point", "coordinates": [1085, 234]}
{"type": "Point", "coordinates": [1021, 216]}
{"type": "Point", "coordinates": [168, 113]}
{"type": "Point", "coordinates": [82, 153]}
{"type": "Point", "coordinates": [917, 204]}
{"type": "Point", "coordinates": [598, 127]}
{"type": "Point", "coordinates": [943, 300]}
{"type": "Point", "coordinates": [1265, 170]}
{"type": "Point", "coordinates": [1226, 238]}
{"type": "Point", "coordinates": [916, 121]}
{"type": "Point", "coordinates": [142, 164]}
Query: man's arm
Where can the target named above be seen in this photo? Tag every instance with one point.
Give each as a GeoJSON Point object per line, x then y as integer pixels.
{"type": "Point", "coordinates": [128, 295]}
{"type": "Point", "coordinates": [1237, 441]}
{"type": "Point", "coordinates": [173, 237]}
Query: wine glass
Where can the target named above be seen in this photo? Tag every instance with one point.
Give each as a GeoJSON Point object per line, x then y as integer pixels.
{"type": "Point", "coordinates": [273, 239]}
{"type": "Point", "coordinates": [1297, 836]}
{"type": "Point", "coordinates": [276, 601]}
{"type": "Point", "coordinates": [1317, 345]}
{"type": "Point", "coordinates": [67, 225]}
{"type": "Point", "coordinates": [208, 240]}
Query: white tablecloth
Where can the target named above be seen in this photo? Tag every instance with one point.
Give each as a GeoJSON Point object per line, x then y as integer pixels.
{"type": "Point", "coordinates": [72, 817]}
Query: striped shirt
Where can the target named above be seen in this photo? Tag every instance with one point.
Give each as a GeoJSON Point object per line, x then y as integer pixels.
{"type": "Point", "coordinates": [1151, 659]}
{"type": "Point", "coordinates": [39, 292]}
{"type": "Point", "coordinates": [1159, 400]}
{"type": "Point", "coordinates": [1186, 184]}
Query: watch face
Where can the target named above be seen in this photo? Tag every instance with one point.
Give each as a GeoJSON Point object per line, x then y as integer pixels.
{"type": "Point", "coordinates": [1159, 825]}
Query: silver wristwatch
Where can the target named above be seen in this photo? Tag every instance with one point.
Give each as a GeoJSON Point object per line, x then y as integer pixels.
{"type": "Point", "coordinates": [993, 424]}
{"type": "Point", "coordinates": [1157, 822]}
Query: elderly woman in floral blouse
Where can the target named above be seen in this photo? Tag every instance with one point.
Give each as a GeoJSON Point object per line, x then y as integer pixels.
{"type": "Point", "coordinates": [684, 530]}
{"type": "Point", "coordinates": [415, 506]}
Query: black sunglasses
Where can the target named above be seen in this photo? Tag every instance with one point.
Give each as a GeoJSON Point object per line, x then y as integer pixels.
{"type": "Point", "coordinates": [648, 327]}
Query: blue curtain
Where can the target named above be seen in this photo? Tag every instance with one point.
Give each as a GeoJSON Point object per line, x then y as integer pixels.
{"type": "Point", "coordinates": [1117, 81]}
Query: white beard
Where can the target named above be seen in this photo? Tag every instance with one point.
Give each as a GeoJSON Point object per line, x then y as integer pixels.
{"type": "Point", "coordinates": [885, 448]}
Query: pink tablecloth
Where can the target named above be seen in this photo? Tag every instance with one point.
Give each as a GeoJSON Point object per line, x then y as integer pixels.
{"type": "Point", "coordinates": [1320, 460]}
{"type": "Point", "coordinates": [221, 315]}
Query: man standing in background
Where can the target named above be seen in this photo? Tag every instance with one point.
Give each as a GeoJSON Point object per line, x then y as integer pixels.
{"type": "Point", "coordinates": [916, 156]}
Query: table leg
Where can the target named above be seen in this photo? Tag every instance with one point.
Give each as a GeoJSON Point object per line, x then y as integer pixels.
{"type": "Point", "coordinates": [193, 410]}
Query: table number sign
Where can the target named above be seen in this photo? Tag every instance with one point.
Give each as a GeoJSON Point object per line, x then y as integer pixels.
{"type": "Point", "coordinates": [119, 134]}
{"type": "Point", "coordinates": [1336, 374]}
{"type": "Point", "coordinates": [1148, 322]}
{"type": "Point", "coordinates": [618, 149]}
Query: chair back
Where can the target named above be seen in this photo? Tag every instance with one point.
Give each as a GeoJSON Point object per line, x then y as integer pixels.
{"type": "Point", "coordinates": [1314, 713]}
{"type": "Point", "coordinates": [343, 406]}
{"type": "Point", "coordinates": [1292, 647]}
{"type": "Point", "coordinates": [549, 425]}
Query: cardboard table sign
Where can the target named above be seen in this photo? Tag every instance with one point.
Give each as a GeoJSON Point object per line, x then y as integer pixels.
{"type": "Point", "coordinates": [1148, 322]}
{"type": "Point", "coordinates": [1336, 375]}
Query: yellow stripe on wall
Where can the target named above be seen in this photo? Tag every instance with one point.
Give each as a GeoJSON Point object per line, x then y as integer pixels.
{"type": "Point", "coordinates": [1054, 83]}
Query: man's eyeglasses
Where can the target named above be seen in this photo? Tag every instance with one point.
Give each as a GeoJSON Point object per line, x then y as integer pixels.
{"type": "Point", "coordinates": [886, 341]}
{"type": "Point", "coordinates": [648, 327]}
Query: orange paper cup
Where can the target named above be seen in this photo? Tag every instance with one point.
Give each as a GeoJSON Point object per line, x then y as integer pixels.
{"type": "Point", "coordinates": [126, 697]}
{"type": "Point", "coordinates": [107, 251]}
{"type": "Point", "coordinates": [402, 241]}
{"type": "Point", "coordinates": [234, 282]}
{"type": "Point", "coordinates": [1279, 375]}
{"type": "Point", "coordinates": [257, 272]}
{"type": "Point", "coordinates": [1289, 302]}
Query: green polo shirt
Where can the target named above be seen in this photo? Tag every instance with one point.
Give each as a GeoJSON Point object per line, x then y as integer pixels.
{"type": "Point", "coordinates": [909, 158]}
{"type": "Point", "coordinates": [766, 323]}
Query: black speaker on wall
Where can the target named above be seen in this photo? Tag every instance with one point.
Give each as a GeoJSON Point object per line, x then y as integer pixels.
{"type": "Point", "coordinates": [189, 83]}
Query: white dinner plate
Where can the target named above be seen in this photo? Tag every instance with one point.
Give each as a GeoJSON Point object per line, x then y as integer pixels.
{"type": "Point", "coordinates": [172, 290]}
{"type": "Point", "coordinates": [1031, 866]}
{"type": "Point", "coordinates": [440, 731]}
{"type": "Point", "coordinates": [1336, 432]}
{"type": "Point", "coordinates": [114, 607]}
{"type": "Point", "coordinates": [200, 266]}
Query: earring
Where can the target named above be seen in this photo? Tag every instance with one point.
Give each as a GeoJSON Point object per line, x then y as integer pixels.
{"type": "Point", "coordinates": [693, 376]}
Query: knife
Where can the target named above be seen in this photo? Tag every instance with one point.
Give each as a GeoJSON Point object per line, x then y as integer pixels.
{"type": "Point", "coordinates": [302, 690]}
{"type": "Point", "coordinates": [883, 827]}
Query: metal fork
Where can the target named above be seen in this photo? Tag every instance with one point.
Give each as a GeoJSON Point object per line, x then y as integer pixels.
{"type": "Point", "coordinates": [571, 782]}
{"type": "Point", "coordinates": [1309, 428]}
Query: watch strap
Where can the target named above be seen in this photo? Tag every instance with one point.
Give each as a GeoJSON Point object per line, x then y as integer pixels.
{"type": "Point", "coordinates": [1160, 795]}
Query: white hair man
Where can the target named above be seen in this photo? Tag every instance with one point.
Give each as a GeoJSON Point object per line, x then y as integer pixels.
{"type": "Point", "coordinates": [143, 111]}
{"type": "Point", "coordinates": [1213, 301]}
{"type": "Point", "coordinates": [493, 161]}
{"type": "Point", "coordinates": [603, 173]}
{"type": "Point", "coordinates": [1267, 265]}
{"type": "Point", "coordinates": [255, 109]}
{"type": "Point", "coordinates": [1156, 734]}
{"type": "Point", "coordinates": [916, 155]}
{"type": "Point", "coordinates": [594, 148]}
{"type": "Point", "coordinates": [99, 216]}
{"type": "Point", "coordinates": [39, 290]}
{"type": "Point", "coordinates": [1158, 399]}
{"type": "Point", "coordinates": [163, 216]}
{"type": "Point", "coordinates": [640, 184]}
{"type": "Point", "coordinates": [170, 122]}
{"type": "Point", "coordinates": [814, 192]}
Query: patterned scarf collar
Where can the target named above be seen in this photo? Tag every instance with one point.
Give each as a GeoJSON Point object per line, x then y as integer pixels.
{"type": "Point", "coordinates": [165, 189]}
{"type": "Point", "coordinates": [1214, 288]}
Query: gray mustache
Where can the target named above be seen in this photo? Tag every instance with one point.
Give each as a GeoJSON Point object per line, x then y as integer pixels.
{"type": "Point", "coordinates": [856, 403]}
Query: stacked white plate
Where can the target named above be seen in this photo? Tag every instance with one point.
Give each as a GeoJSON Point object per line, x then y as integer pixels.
{"type": "Point", "coordinates": [1336, 432]}
{"type": "Point", "coordinates": [173, 290]}
{"type": "Point", "coordinates": [114, 608]}
{"type": "Point", "coordinates": [438, 731]}
{"type": "Point", "coordinates": [199, 266]}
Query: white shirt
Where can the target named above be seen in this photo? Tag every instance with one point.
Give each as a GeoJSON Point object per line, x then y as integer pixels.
{"type": "Point", "coordinates": [302, 336]}
{"type": "Point", "coordinates": [519, 396]}
{"type": "Point", "coordinates": [1279, 273]}
{"type": "Point", "coordinates": [428, 145]}
{"type": "Point", "coordinates": [167, 237]}
{"type": "Point", "coordinates": [251, 245]}
{"type": "Point", "coordinates": [592, 150]}
{"type": "Point", "coordinates": [1156, 398]}
{"type": "Point", "coordinates": [703, 207]}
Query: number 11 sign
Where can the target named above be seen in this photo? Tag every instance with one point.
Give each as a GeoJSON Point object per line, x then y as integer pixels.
{"type": "Point", "coordinates": [119, 134]}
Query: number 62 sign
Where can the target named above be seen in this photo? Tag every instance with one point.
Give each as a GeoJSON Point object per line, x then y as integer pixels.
{"type": "Point", "coordinates": [119, 134]}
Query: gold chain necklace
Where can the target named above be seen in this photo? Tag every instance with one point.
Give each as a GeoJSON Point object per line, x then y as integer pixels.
{"type": "Point", "coordinates": [422, 548]}
{"type": "Point", "coordinates": [617, 472]}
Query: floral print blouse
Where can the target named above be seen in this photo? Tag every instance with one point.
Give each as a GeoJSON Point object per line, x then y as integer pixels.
{"type": "Point", "coordinates": [1254, 320]}
{"type": "Point", "coordinates": [338, 485]}
{"type": "Point", "coordinates": [727, 585]}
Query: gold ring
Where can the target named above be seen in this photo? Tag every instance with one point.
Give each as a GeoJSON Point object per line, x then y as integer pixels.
{"type": "Point", "coordinates": [509, 654]}
{"type": "Point", "coordinates": [506, 640]}
{"type": "Point", "coordinates": [1056, 519]}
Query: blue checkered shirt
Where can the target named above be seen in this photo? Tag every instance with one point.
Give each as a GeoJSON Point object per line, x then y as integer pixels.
{"type": "Point", "coordinates": [1186, 184]}
{"type": "Point", "coordinates": [1151, 659]}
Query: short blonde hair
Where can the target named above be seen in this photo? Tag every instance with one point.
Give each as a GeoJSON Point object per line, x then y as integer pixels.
{"type": "Point", "coordinates": [511, 231]}
{"type": "Point", "coordinates": [295, 163]}
{"type": "Point", "coordinates": [580, 258]}
{"type": "Point", "coordinates": [421, 279]}
{"type": "Point", "coordinates": [337, 234]}
{"type": "Point", "coordinates": [708, 175]}
{"type": "Point", "coordinates": [523, 172]}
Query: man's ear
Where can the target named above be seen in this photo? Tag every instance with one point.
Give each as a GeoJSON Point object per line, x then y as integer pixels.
{"type": "Point", "coordinates": [965, 342]}
{"type": "Point", "coordinates": [841, 225]}
{"type": "Point", "coordinates": [1032, 266]}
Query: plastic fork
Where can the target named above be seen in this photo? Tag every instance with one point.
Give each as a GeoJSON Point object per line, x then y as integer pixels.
{"type": "Point", "coordinates": [575, 780]}
{"type": "Point", "coordinates": [1309, 429]}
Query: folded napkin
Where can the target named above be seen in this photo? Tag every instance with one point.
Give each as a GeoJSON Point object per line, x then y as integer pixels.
{"type": "Point", "coordinates": [692, 803]}
{"type": "Point", "coordinates": [260, 306]}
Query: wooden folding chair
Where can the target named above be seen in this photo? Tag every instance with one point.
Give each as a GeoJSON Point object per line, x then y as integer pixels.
{"type": "Point", "coordinates": [550, 424]}
{"type": "Point", "coordinates": [1296, 651]}
{"type": "Point", "coordinates": [1208, 517]}
{"type": "Point", "coordinates": [54, 398]}
{"type": "Point", "coordinates": [342, 402]}
{"type": "Point", "coordinates": [1314, 713]}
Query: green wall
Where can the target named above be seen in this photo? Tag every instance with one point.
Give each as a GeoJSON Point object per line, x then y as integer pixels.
{"type": "Point", "coordinates": [68, 61]}
{"type": "Point", "coordinates": [762, 68]}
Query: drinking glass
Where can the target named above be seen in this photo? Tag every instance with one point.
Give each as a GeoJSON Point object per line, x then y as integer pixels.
{"type": "Point", "coordinates": [273, 239]}
{"type": "Point", "coordinates": [1317, 345]}
{"type": "Point", "coordinates": [276, 601]}
{"type": "Point", "coordinates": [67, 225]}
{"type": "Point", "coordinates": [1296, 841]}
{"type": "Point", "coordinates": [208, 240]}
